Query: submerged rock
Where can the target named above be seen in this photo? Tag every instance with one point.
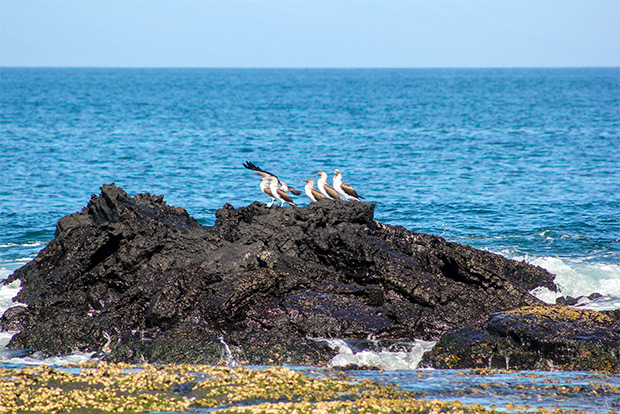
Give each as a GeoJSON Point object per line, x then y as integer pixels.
{"type": "Point", "coordinates": [539, 337]}
{"type": "Point", "coordinates": [260, 284]}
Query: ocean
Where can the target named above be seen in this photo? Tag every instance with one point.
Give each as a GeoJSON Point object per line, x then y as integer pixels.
{"type": "Point", "coordinates": [520, 162]}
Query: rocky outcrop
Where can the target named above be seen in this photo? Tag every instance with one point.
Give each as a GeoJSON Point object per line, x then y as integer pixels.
{"type": "Point", "coordinates": [261, 283]}
{"type": "Point", "coordinates": [539, 337]}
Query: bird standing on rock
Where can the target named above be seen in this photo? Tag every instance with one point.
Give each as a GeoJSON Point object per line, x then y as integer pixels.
{"type": "Point", "coordinates": [281, 184]}
{"type": "Point", "coordinates": [264, 187]}
{"type": "Point", "coordinates": [344, 189]}
{"type": "Point", "coordinates": [326, 189]}
{"type": "Point", "coordinates": [312, 194]}
{"type": "Point", "coordinates": [278, 193]}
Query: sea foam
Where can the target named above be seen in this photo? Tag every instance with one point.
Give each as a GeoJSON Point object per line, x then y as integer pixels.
{"type": "Point", "coordinates": [8, 292]}
{"type": "Point", "coordinates": [580, 277]}
{"type": "Point", "coordinates": [398, 356]}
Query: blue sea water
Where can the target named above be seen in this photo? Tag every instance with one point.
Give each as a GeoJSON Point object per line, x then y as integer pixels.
{"type": "Point", "coordinates": [521, 162]}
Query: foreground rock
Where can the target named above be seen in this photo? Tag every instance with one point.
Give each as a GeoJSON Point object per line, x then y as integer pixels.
{"type": "Point", "coordinates": [540, 338]}
{"type": "Point", "coordinates": [265, 281]}
{"type": "Point", "coordinates": [112, 388]}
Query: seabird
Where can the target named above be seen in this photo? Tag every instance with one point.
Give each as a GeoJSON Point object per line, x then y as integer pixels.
{"type": "Point", "coordinates": [312, 194]}
{"type": "Point", "coordinates": [264, 186]}
{"type": "Point", "coordinates": [326, 189]}
{"type": "Point", "coordinates": [278, 193]}
{"type": "Point", "coordinates": [251, 166]}
{"type": "Point", "coordinates": [344, 189]}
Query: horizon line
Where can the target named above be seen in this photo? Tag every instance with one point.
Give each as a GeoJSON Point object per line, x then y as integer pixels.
{"type": "Point", "coordinates": [305, 67]}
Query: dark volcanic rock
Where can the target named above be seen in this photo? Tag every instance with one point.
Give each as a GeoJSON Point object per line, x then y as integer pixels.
{"type": "Point", "coordinates": [567, 300]}
{"type": "Point", "coordinates": [541, 337]}
{"type": "Point", "coordinates": [165, 288]}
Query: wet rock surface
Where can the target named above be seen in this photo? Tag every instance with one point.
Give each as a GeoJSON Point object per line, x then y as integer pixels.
{"type": "Point", "coordinates": [539, 337]}
{"type": "Point", "coordinates": [138, 280]}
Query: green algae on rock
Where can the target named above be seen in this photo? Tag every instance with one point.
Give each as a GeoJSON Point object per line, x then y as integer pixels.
{"type": "Point", "coordinates": [106, 387]}
{"type": "Point", "coordinates": [533, 337]}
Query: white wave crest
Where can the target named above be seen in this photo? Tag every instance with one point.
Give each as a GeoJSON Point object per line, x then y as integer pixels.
{"type": "Point", "coordinates": [7, 293]}
{"type": "Point", "coordinates": [579, 277]}
{"type": "Point", "coordinates": [34, 243]}
{"type": "Point", "coordinates": [38, 359]}
{"type": "Point", "coordinates": [5, 273]}
{"type": "Point", "coordinates": [5, 338]}
{"type": "Point", "coordinates": [407, 356]}
{"type": "Point", "coordinates": [10, 356]}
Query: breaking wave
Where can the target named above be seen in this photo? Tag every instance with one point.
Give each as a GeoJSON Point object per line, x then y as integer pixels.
{"type": "Point", "coordinates": [578, 277]}
{"type": "Point", "coordinates": [372, 354]}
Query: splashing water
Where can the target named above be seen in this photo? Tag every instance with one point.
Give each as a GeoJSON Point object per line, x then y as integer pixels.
{"type": "Point", "coordinates": [396, 356]}
{"type": "Point", "coordinates": [578, 277]}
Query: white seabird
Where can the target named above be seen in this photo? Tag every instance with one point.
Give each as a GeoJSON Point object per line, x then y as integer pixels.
{"type": "Point", "coordinates": [326, 189]}
{"type": "Point", "coordinates": [264, 187]}
{"type": "Point", "coordinates": [344, 189]}
{"type": "Point", "coordinates": [278, 193]}
{"type": "Point", "coordinates": [312, 194]}
{"type": "Point", "coordinates": [281, 184]}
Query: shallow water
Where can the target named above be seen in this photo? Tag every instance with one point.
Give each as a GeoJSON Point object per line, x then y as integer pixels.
{"type": "Point", "coordinates": [505, 391]}
{"type": "Point", "coordinates": [585, 391]}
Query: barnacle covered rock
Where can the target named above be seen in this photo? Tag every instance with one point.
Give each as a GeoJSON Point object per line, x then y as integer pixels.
{"type": "Point", "coordinates": [107, 388]}
{"type": "Point", "coordinates": [534, 337]}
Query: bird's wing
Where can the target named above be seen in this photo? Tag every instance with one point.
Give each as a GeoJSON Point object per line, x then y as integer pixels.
{"type": "Point", "coordinates": [332, 193]}
{"type": "Point", "coordinates": [294, 190]}
{"type": "Point", "coordinates": [285, 196]}
{"type": "Point", "coordinates": [317, 194]}
{"type": "Point", "coordinates": [251, 166]}
{"type": "Point", "coordinates": [350, 190]}
{"type": "Point", "coordinates": [284, 186]}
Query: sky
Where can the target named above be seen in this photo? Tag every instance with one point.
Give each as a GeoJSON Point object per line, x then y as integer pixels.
{"type": "Point", "coordinates": [310, 33]}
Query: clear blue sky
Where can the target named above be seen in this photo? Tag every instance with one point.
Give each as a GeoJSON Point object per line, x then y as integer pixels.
{"type": "Point", "coordinates": [310, 33]}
